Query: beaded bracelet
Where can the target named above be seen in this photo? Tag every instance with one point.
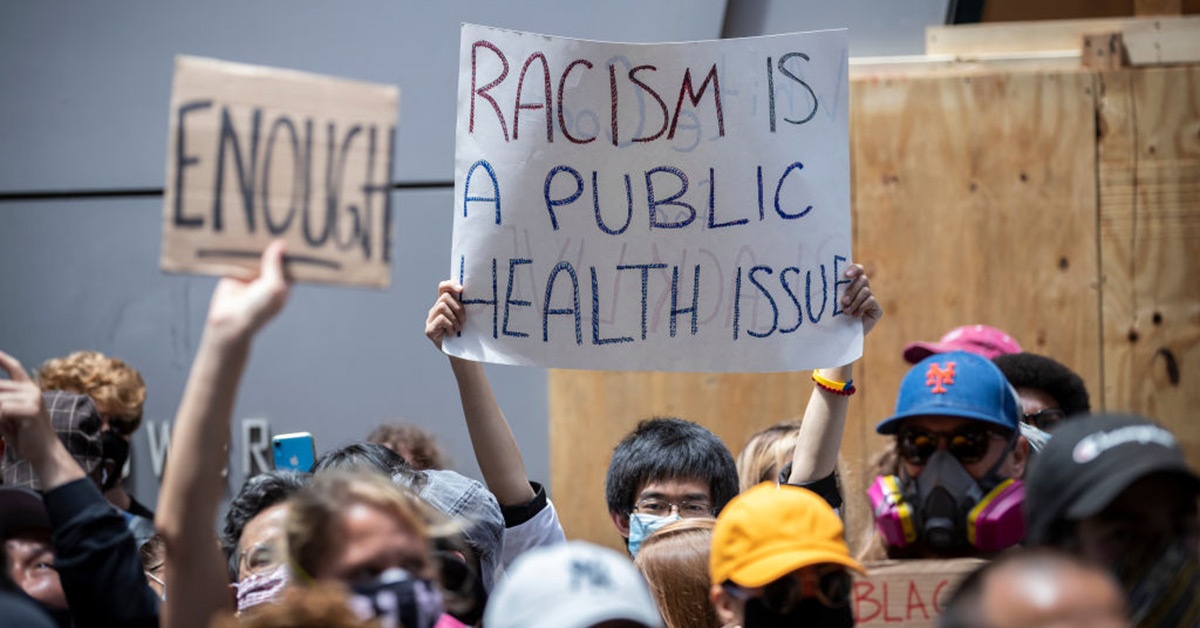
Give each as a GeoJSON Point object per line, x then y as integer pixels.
{"type": "Point", "coordinates": [837, 388]}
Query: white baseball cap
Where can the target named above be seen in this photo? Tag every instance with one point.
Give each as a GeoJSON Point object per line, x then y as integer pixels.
{"type": "Point", "coordinates": [571, 585]}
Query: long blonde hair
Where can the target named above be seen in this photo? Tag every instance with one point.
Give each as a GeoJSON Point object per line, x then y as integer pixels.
{"type": "Point", "coordinates": [766, 453]}
{"type": "Point", "coordinates": [674, 561]}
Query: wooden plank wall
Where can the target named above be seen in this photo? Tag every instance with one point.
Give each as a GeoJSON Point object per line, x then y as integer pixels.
{"type": "Point", "coordinates": [976, 199]}
{"type": "Point", "coordinates": [1149, 164]}
{"type": "Point", "coordinates": [975, 203]}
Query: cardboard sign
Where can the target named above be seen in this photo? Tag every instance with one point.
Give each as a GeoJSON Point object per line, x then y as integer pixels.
{"type": "Point", "coordinates": [260, 153]}
{"type": "Point", "coordinates": [908, 593]}
{"type": "Point", "coordinates": [679, 207]}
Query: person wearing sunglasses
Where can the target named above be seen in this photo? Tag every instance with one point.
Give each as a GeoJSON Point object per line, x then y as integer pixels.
{"type": "Point", "coordinates": [779, 558]}
{"type": "Point", "coordinates": [1049, 391]}
{"type": "Point", "coordinates": [957, 492]}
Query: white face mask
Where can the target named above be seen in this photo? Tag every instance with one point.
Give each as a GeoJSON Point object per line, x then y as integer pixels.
{"type": "Point", "coordinates": [643, 525]}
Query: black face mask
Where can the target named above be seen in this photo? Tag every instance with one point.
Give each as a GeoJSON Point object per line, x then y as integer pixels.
{"type": "Point", "coordinates": [465, 596]}
{"type": "Point", "coordinates": [943, 495]}
{"type": "Point", "coordinates": [398, 598]}
{"type": "Point", "coordinates": [808, 612]}
{"type": "Point", "coordinates": [117, 450]}
{"type": "Point", "coordinates": [1161, 581]}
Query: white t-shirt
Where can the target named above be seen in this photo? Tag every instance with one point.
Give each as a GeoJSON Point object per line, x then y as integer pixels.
{"type": "Point", "coordinates": [541, 529]}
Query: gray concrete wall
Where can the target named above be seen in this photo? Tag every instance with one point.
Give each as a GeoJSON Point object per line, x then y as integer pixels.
{"type": "Point", "coordinates": [84, 107]}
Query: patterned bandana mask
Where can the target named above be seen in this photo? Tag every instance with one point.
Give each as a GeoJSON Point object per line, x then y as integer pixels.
{"type": "Point", "coordinates": [398, 598]}
{"type": "Point", "coordinates": [261, 587]}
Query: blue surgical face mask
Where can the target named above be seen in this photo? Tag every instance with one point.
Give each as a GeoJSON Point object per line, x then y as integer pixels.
{"type": "Point", "coordinates": [642, 525]}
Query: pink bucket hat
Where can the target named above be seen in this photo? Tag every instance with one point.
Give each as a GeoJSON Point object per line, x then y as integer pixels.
{"type": "Point", "coordinates": [988, 342]}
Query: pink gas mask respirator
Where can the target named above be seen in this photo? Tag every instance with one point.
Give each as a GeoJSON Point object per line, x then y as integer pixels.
{"type": "Point", "coordinates": [945, 507]}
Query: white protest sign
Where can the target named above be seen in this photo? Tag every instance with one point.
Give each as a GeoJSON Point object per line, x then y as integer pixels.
{"type": "Point", "coordinates": [258, 153]}
{"type": "Point", "coordinates": [676, 207]}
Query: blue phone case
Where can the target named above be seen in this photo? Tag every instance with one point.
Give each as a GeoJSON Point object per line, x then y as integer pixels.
{"type": "Point", "coordinates": [296, 451]}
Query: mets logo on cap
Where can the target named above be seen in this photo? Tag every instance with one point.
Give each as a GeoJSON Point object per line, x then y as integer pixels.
{"type": "Point", "coordinates": [939, 376]}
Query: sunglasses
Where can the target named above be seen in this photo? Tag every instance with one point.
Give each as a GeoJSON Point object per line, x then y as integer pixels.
{"type": "Point", "coordinates": [1045, 418]}
{"type": "Point", "coordinates": [831, 587]}
{"type": "Point", "coordinates": [123, 426]}
{"type": "Point", "coordinates": [968, 444]}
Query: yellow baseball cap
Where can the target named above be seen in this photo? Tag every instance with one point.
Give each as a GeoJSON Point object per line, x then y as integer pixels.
{"type": "Point", "coordinates": [772, 530]}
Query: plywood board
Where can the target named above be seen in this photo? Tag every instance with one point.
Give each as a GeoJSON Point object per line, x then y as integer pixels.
{"type": "Point", "coordinates": [1013, 37]}
{"type": "Point", "coordinates": [1163, 42]}
{"type": "Point", "coordinates": [974, 203]}
{"type": "Point", "coordinates": [1149, 196]}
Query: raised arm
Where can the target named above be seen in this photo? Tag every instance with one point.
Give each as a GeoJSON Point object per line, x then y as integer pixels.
{"type": "Point", "coordinates": [192, 483]}
{"type": "Point", "coordinates": [825, 417]}
{"type": "Point", "coordinates": [495, 446]}
{"type": "Point", "coordinates": [27, 428]}
{"type": "Point", "coordinates": [94, 552]}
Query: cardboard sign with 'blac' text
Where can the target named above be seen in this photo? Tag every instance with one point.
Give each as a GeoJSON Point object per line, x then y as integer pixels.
{"type": "Point", "coordinates": [908, 593]}
{"type": "Point", "coordinates": [257, 153]}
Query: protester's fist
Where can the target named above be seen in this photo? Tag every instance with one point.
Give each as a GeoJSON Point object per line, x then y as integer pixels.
{"type": "Point", "coordinates": [859, 301]}
{"type": "Point", "coordinates": [21, 406]}
{"type": "Point", "coordinates": [241, 307]}
{"type": "Point", "coordinates": [447, 314]}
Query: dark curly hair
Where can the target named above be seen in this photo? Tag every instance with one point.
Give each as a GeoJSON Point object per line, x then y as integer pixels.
{"type": "Point", "coordinates": [1030, 370]}
{"type": "Point", "coordinates": [257, 494]}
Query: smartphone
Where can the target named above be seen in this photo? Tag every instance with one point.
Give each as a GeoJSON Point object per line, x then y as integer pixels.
{"type": "Point", "coordinates": [296, 451]}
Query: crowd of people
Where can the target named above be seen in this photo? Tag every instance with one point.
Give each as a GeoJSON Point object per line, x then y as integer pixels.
{"type": "Point", "coordinates": [1081, 519]}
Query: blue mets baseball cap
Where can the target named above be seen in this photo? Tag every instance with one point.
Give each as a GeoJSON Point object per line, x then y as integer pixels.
{"type": "Point", "coordinates": [957, 384]}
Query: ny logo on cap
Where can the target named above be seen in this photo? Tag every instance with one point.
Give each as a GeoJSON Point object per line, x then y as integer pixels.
{"type": "Point", "coordinates": [939, 376]}
{"type": "Point", "coordinates": [587, 573]}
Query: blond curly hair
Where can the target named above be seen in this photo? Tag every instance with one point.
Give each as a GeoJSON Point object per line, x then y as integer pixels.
{"type": "Point", "coordinates": [111, 383]}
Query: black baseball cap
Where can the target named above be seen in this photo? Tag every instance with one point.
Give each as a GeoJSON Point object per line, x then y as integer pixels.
{"type": "Point", "coordinates": [21, 509]}
{"type": "Point", "coordinates": [1089, 462]}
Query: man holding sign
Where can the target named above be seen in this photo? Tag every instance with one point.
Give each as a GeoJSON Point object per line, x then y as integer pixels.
{"type": "Point", "coordinates": [678, 207]}
{"type": "Point", "coordinates": [673, 464]}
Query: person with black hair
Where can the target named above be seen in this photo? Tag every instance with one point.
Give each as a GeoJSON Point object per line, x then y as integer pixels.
{"type": "Point", "coordinates": [366, 456]}
{"type": "Point", "coordinates": [1049, 391]}
{"type": "Point", "coordinates": [667, 465]}
{"type": "Point", "coordinates": [1036, 588]}
{"type": "Point", "coordinates": [668, 468]}
{"type": "Point", "coordinates": [254, 535]}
